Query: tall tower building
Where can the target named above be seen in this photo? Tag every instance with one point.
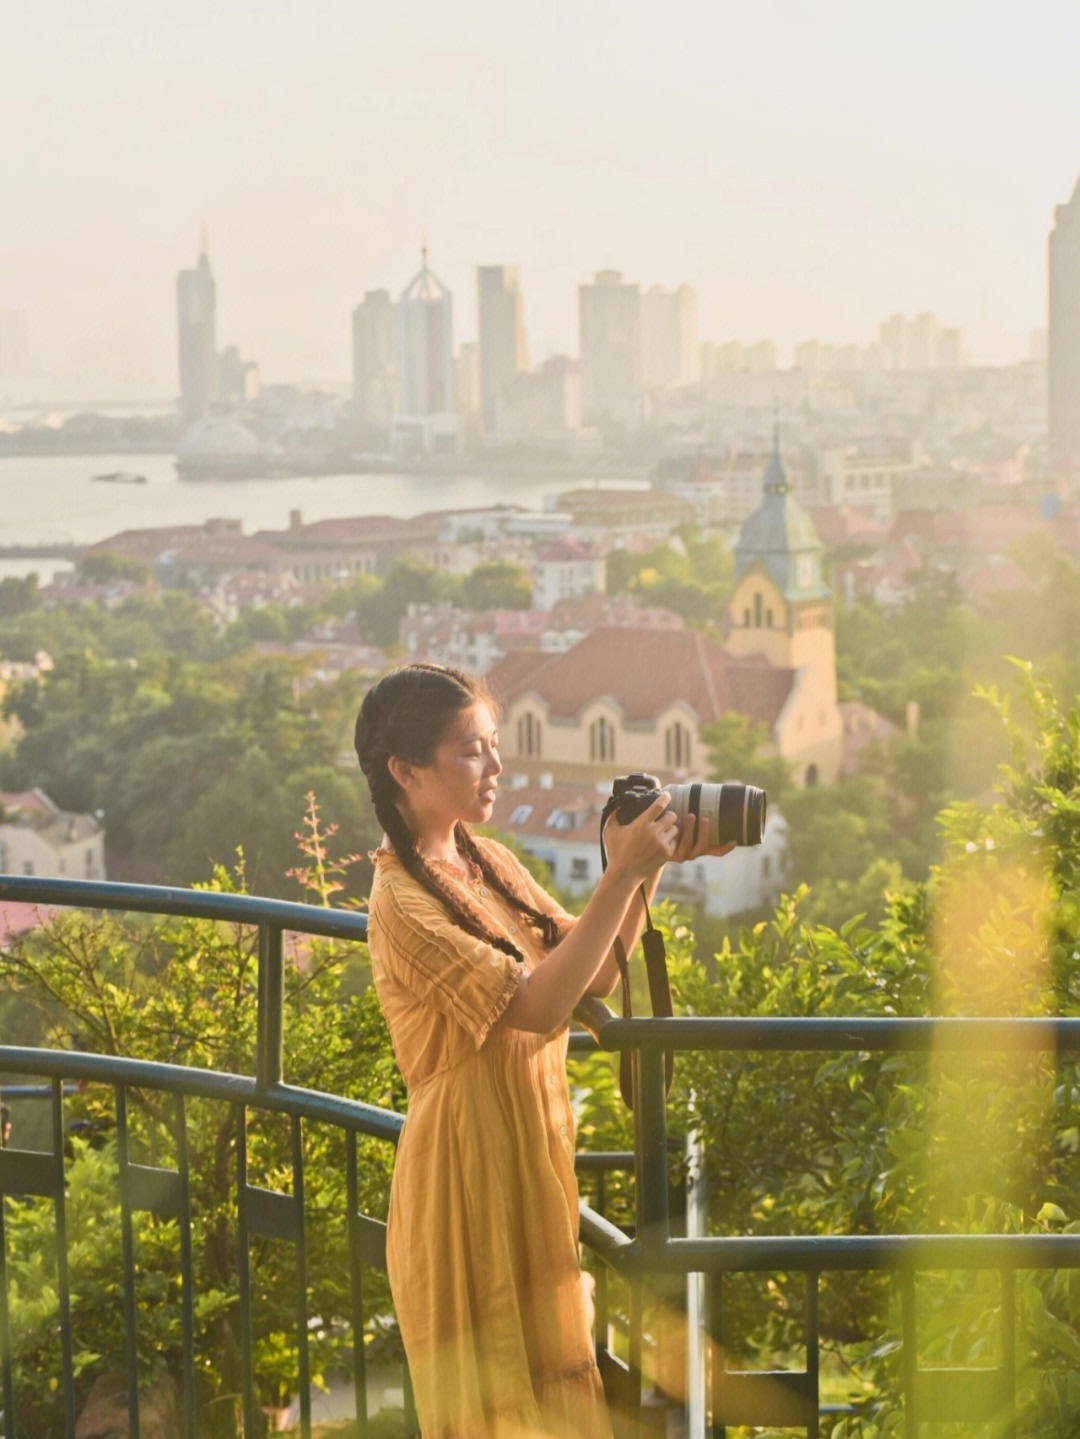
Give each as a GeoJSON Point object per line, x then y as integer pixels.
{"type": "Point", "coordinates": [1063, 360]}
{"type": "Point", "coordinates": [426, 345]}
{"type": "Point", "coordinates": [375, 348]}
{"type": "Point", "coordinates": [501, 332]}
{"type": "Point", "coordinates": [196, 303]}
{"type": "Point", "coordinates": [781, 607]}
{"type": "Point", "coordinates": [609, 335]}
{"type": "Point", "coordinates": [670, 343]}
{"type": "Point", "coordinates": [426, 365]}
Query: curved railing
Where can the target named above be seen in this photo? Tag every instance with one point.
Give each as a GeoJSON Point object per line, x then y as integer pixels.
{"type": "Point", "coordinates": [648, 1249]}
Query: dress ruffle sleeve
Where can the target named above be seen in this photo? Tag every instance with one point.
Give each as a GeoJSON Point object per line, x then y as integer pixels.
{"type": "Point", "coordinates": [465, 978]}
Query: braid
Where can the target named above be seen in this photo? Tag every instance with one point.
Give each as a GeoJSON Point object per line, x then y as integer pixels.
{"type": "Point", "coordinates": [507, 884]}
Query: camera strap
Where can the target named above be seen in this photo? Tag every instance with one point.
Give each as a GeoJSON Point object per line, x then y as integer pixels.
{"type": "Point", "coordinates": [652, 945]}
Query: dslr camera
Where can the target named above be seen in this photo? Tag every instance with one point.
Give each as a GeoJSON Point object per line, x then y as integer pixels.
{"type": "Point", "coordinates": [731, 812]}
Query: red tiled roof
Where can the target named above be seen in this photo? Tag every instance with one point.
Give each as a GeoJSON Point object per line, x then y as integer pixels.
{"type": "Point", "coordinates": [643, 670]}
{"type": "Point", "coordinates": [542, 801]}
{"type": "Point", "coordinates": [353, 528]}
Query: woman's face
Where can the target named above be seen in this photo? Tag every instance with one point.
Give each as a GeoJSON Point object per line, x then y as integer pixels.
{"type": "Point", "coordinates": [462, 777]}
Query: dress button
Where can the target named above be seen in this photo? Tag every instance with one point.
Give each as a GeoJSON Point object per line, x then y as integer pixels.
{"type": "Point", "coordinates": [562, 1130]}
{"type": "Point", "coordinates": [483, 891]}
{"type": "Point", "coordinates": [512, 928]}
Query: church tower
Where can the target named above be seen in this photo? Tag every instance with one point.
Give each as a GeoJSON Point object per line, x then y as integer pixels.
{"type": "Point", "coordinates": [782, 608]}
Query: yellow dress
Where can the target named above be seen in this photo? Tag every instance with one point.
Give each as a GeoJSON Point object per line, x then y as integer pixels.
{"type": "Point", "coordinates": [482, 1234]}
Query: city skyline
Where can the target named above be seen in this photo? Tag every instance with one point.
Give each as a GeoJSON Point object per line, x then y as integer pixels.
{"type": "Point", "coordinates": [807, 174]}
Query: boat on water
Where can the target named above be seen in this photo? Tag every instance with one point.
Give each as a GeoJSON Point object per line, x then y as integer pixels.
{"type": "Point", "coordinates": [121, 477]}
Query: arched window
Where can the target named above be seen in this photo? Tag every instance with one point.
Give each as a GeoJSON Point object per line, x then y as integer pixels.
{"type": "Point", "coordinates": [528, 736]}
{"type": "Point", "coordinates": [758, 607]}
{"type": "Point", "coordinates": [811, 776]}
{"type": "Point", "coordinates": [601, 740]}
{"type": "Point", "coordinates": [746, 618]}
{"type": "Point", "coordinates": [677, 746]}
{"type": "Point", "coordinates": [769, 619]}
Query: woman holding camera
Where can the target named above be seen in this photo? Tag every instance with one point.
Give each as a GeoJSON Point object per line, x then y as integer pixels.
{"type": "Point", "coordinates": [478, 970]}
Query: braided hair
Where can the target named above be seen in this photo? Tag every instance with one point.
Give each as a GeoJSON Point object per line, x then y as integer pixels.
{"type": "Point", "coordinates": [406, 714]}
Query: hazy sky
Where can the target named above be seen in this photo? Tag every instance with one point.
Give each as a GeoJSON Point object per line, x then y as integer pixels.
{"type": "Point", "coordinates": [810, 168]}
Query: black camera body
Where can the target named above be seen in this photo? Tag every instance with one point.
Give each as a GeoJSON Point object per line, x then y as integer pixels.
{"type": "Point", "coordinates": [732, 812]}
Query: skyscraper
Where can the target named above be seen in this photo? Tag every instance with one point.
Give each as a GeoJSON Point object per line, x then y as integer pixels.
{"type": "Point", "coordinates": [670, 345]}
{"type": "Point", "coordinates": [375, 346]}
{"type": "Point", "coordinates": [1063, 366]}
{"type": "Point", "coordinates": [609, 326]}
{"type": "Point", "coordinates": [502, 337]}
{"type": "Point", "coordinates": [426, 364]}
{"type": "Point", "coordinates": [196, 303]}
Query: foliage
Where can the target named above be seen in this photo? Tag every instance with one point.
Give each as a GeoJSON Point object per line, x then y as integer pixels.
{"type": "Point", "coordinates": [182, 991]}
{"type": "Point", "coordinates": [496, 584]}
{"type": "Point", "coordinates": [380, 611]}
{"type": "Point", "coordinates": [691, 574]}
{"type": "Point", "coordinates": [184, 764]}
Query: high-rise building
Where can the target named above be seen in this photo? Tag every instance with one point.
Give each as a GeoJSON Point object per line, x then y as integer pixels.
{"type": "Point", "coordinates": [609, 326]}
{"type": "Point", "coordinates": [1063, 349]}
{"type": "Point", "coordinates": [426, 365]}
{"type": "Point", "coordinates": [670, 343]}
{"type": "Point", "coordinates": [375, 353]}
{"type": "Point", "coordinates": [196, 304]}
{"type": "Point", "coordinates": [501, 332]}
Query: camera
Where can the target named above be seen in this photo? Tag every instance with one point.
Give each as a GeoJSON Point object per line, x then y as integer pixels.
{"type": "Point", "coordinates": [732, 812]}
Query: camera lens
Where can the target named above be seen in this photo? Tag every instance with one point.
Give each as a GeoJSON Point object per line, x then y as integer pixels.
{"type": "Point", "coordinates": [732, 812]}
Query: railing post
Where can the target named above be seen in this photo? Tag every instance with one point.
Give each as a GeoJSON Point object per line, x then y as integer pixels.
{"type": "Point", "coordinates": [697, 1227]}
{"type": "Point", "coordinates": [650, 1148]}
{"type": "Point", "coordinates": [270, 1033]}
{"type": "Point", "coordinates": [650, 1200]}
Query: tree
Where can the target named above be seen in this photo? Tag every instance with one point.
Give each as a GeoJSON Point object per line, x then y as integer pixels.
{"type": "Point", "coordinates": [18, 595]}
{"type": "Point", "coordinates": [183, 991]}
{"type": "Point", "coordinates": [409, 582]}
{"type": "Point", "coordinates": [739, 747]}
{"type": "Point", "coordinates": [496, 585]}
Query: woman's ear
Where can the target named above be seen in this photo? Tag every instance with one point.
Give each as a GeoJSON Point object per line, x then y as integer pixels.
{"type": "Point", "coordinates": [401, 771]}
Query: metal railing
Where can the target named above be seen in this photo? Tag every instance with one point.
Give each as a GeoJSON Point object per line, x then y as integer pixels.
{"type": "Point", "coordinates": [639, 1254]}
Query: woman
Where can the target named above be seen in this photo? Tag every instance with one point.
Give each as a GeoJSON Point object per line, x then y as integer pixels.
{"type": "Point", "coordinates": [478, 970]}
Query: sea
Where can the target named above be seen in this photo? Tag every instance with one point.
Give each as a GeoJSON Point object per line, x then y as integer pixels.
{"type": "Point", "coordinates": [55, 500]}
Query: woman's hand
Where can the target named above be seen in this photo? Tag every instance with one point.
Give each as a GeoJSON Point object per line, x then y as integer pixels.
{"type": "Point", "coordinates": [645, 845]}
{"type": "Point", "coordinates": [688, 848]}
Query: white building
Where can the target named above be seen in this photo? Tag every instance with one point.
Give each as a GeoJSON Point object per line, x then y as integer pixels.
{"type": "Point", "coordinates": [565, 569]}
{"type": "Point", "coordinates": [39, 838]}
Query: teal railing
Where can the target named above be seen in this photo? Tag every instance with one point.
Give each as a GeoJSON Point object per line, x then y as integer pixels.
{"type": "Point", "coordinates": [639, 1254]}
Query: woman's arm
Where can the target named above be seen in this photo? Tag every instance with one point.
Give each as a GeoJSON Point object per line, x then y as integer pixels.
{"type": "Point", "coordinates": [545, 998]}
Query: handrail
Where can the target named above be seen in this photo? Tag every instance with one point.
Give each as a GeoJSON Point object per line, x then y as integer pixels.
{"type": "Point", "coordinates": [651, 1249]}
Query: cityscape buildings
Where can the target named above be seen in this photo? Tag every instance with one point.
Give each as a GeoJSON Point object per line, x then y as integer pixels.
{"type": "Point", "coordinates": [1063, 368]}
{"type": "Point", "coordinates": [427, 421]}
{"type": "Point", "coordinates": [501, 331]}
{"type": "Point", "coordinates": [670, 342]}
{"type": "Point", "coordinates": [196, 302]}
{"type": "Point", "coordinates": [609, 346]}
{"type": "Point", "coordinates": [374, 356]}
